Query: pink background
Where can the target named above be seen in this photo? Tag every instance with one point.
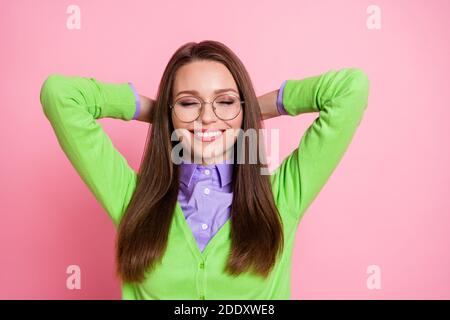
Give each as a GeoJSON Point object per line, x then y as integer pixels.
{"type": "Point", "coordinates": [387, 203]}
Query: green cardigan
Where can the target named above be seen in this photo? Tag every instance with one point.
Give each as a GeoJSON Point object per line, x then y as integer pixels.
{"type": "Point", "coordinates": [72, 104]}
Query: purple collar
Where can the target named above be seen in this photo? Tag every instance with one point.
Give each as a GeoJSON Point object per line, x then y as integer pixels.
{"type": "Point", "coordinates": [225, 170]}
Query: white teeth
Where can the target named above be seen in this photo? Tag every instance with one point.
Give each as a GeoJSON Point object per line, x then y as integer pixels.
{"type": "Point", "coordinates": [207, 133]}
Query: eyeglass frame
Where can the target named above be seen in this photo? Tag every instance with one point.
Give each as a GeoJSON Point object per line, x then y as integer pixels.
{"type": "Point", "coordinates": [203, 102]}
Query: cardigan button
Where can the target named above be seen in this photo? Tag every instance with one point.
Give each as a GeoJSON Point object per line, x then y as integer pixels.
{"type": "Point", "coordinates": [202, 297]}
{"type": "Point", "coordinates": [202, 265]}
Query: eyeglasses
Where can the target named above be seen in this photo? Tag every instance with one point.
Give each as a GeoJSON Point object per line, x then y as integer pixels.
{"type": "Point", "coordinates": [225, 106]}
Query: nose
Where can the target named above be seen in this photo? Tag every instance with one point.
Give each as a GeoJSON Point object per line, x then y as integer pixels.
{"type": "Point", "coordinates": [207, 114]}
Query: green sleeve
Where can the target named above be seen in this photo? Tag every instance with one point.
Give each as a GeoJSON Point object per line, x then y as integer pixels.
{"type": "Point", "coordinates": [340, 97]}
{"type": "Point", "coordinates": [72, 104]}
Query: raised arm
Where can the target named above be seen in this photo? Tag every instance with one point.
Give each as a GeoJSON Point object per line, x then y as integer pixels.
{"type": "Point", "coordinates": [145, 109]}
{"type": "Point", "coordinates": [340, 97]}
{"type": "Point", "coordinates": [72, 104]}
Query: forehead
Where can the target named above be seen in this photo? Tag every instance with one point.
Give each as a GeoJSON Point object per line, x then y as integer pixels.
{"type": "Point", "coordinates": [204, 77]}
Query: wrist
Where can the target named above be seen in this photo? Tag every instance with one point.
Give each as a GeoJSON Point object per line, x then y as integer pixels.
{"type": "Point", "coordinates": [280, 105]}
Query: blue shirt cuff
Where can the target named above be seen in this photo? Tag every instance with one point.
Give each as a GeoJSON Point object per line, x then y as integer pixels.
{"type": "Point", "coordinates": [280, 105]}
{"type": "Point", "coordinates": [138, 101]}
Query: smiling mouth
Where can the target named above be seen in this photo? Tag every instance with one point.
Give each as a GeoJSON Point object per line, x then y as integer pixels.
{"type": "Point", "coordinates": [206, 136]}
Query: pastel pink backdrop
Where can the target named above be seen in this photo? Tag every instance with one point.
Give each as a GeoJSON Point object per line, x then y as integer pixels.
{"type": "Point", "coordinates": [387, 203]}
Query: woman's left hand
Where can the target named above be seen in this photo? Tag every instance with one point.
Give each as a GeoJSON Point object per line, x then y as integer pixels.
{"type": "Point", "coordinates": [268, 105]}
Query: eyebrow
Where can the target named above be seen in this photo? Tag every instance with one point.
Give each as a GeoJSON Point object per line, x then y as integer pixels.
{"type": "Point", "coordinates": [216, 91]}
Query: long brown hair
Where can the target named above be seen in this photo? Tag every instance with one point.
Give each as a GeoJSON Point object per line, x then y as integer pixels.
{"type": "Point", "coordinates": [256, 227]}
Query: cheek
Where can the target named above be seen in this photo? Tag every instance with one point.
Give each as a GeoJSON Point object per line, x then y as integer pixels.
{"type": "Point", "coordinates": [175, 122]}
{"type": "Point", "coordinates": [236, 124]}
{"type": "Point", "coordinates": [231, 135]}
{"type": "Point", "coordinates": [181, 131]}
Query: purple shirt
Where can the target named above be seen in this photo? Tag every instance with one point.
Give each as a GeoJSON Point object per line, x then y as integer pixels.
{"type": "Point", "coordinates": [205, 193]}
{"type": "Point", "coordinates": [280, 105]}
{"type": "Point", "coordinates": [205, 197]}
{"type": "Point", "coordinates": [137, 100]}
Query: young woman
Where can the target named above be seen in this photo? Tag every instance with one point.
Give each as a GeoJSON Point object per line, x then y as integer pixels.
{"type": "Point", "coordinates": [218, 228]}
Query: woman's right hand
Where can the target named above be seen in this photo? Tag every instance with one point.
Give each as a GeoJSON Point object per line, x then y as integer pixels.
{"type": "Point", "coordinates": [145, 114]}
